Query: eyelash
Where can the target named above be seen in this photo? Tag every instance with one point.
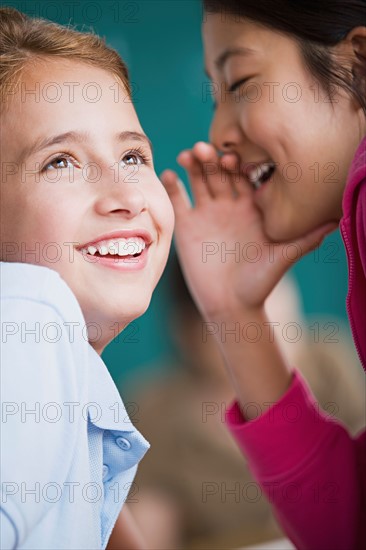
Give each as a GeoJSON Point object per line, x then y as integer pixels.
{"type": "Point", "coordinates": [237, 84]}
{"type": "Point", "coordinates": [139, 151]}
{"type": "Point", "coordinates": [66, 155]}
{"type": "Point", "coordinates": [232, 89]}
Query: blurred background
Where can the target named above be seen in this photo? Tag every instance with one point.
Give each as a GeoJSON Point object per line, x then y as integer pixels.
{"type": "Point", "coordinates": [159, 364]}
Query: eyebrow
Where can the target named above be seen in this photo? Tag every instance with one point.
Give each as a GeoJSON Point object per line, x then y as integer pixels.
{"type": "Point", "coordinates": [230, 52]}
{"type": "Point", "coordinates": [77, 137]}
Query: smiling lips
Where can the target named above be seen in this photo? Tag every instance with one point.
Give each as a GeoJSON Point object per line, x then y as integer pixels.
{"type": "Point", "coordinates": [117, 247]}
{"type": "Point", "coordinates": [126, 249]}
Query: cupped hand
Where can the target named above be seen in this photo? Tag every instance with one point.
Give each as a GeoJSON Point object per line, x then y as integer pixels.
{"type": "Point", "coordinates": [227, 259]}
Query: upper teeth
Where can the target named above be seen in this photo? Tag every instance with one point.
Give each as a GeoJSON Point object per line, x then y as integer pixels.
{"type": "Point", "coordinates": [117, 247]}
{"type": "Point", "coordinates": [256, 173]}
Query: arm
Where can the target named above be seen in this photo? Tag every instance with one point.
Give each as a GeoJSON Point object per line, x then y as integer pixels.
{"type": "Point", "coordinates": [309, 467]}
{"type": "Point", "coordinates": [215, 241]}
{"type": "Point", "coordinates": [126, 535]}
{"type": "Point", "coordinates": [259, 373]}
{"type": "Point", "coordinates": [317, 455]}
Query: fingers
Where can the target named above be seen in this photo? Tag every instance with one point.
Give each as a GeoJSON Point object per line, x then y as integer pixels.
{"type": "Point", "coordinates": [177, 192]}
{"type": "Point", "coordinates": [193, 166]}
{"type": "Point", "coordinates": [208, 176]}
{"type": "Point", "coordinates": [231, 164]}
{"type": "Point", "coordinates": [217, 180]}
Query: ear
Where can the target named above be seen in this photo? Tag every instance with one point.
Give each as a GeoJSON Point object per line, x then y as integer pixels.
{"type": "Point", "coordinates": [351, 53]}
{"type": "Point", "coordinates": [356, 39]}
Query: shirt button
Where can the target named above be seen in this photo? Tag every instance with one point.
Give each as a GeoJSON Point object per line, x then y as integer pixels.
{"type": "Point", "coordinates": [105, 471]}
{"type": "Point", "coordinates": [123, 443]}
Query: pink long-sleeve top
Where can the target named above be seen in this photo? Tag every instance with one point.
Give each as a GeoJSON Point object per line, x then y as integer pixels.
{"type": "Point", "coordinates": [312, 470]}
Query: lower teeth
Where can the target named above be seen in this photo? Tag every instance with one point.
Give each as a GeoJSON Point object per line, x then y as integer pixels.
{"type": "Point", "coordinates": [116, 256]}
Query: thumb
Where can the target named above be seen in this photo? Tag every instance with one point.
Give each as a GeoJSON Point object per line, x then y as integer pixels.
{"type": "Point", "coordinates": [176, 192]}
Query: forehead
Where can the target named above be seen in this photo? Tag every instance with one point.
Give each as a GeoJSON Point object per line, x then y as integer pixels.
{"type": "Point", "coordinates": [217, 27]}
{"type": "Point", "coordinates": [59, 91]}
{"type": "Point", "coordinates": [59, 96]}
{"type": "Point", "coordinates": [223, 32]}
{"type": "Point", "coordinates": [45, 83]}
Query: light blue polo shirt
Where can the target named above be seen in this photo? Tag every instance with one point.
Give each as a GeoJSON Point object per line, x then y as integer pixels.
{"type": "Point", "coordinates": [69, 451]}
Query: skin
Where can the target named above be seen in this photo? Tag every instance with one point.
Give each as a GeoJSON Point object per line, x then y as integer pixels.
{"type": "Point", "coordinates": [282, 222]}
{"type": "Point", "coordinates": [38, 210]}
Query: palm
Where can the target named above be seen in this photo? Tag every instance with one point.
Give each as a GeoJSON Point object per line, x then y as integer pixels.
{"type": "Point", "coordinates": [220, 244]}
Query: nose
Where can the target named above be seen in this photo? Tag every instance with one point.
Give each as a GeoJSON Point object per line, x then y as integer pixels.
{"type": "Point", "coordinates": [225, 132]}
{"type": "Point", "coordinates": [121, 198]}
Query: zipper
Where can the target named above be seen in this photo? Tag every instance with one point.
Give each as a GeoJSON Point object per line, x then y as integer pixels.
{"type": "Point", "coordinates": [350, 283]}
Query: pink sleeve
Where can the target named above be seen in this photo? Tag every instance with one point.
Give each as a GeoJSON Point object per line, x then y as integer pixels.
{"type": "Point", "coordinates": [310, 468]}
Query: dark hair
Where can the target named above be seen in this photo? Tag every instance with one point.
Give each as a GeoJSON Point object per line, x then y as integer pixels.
{"type": "Point", "coordinates": [316, 25]}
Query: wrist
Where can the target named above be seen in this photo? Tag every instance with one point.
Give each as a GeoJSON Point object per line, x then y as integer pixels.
{"type": "Point", "coordinates": [247, 340]}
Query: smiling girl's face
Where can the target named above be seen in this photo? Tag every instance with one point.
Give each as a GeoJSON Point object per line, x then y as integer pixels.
{"type": "Point", "coordinates": [80, 194]}
{"type": "Point", "coordinates": [269, 109]}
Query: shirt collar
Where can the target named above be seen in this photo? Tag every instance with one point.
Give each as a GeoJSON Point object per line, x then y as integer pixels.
{"type": "Point", "coordinates": [105, 406]}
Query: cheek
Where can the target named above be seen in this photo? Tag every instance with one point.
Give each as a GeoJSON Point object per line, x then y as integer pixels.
{"type": "Point", "coordinates": [34, 217]}
{"type": "Point", "coordinates": [162, 211]}
{"type": "Point", "coordinates": [20, 209]}
{"type": "Point", "coordinates": [50, 217]}
{"type": "Point", "coordinates": [261, 124]}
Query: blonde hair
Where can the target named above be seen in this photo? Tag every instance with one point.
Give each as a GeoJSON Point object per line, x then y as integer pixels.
{"type": "Point", "coordinates": [24, 39]}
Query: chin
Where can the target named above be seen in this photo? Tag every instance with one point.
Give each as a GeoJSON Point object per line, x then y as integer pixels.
{"type": "Point", "coordinates": [285, 232]}
{"type": "Point", "coordinates": [127, 312]}
{"type": "Point", "coordinates": [278, 233]}
{"type": "Point", "coordinates": [112, 316]}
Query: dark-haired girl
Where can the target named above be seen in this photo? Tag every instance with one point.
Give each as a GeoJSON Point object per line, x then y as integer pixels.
{"type": "Point", "coordinates": [285, 167]}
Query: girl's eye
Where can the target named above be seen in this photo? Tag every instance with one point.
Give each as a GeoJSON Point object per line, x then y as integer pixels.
{"type": "Point", "coordinates": [237, 84]}
{"type": "Point", "coordinates": [134, 158]}
{"type": "Point", "coordinates": [60, 162]}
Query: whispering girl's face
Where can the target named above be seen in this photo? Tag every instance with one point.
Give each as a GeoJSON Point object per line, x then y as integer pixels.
{"type": "Point", "coordinates": [79, 192]}
{"type": "Point", "coordinates": [272, 113]}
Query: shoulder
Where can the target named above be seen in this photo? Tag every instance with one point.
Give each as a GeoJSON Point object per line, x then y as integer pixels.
{"type": "Point", "coordinates": [34, 284]}
{"type": "Point", "coordinates": [359, 160]}
{"type": "Point", "coordinates": [44, 368]}
{"type": "Point", "coordinates": [42, 333]}
{"type": "Point", "coordinates": [356, 181]}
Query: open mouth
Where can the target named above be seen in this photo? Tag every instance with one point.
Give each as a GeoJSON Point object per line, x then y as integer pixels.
{"type": "Point", "coordinates": [259, 174]}
{"type": "Point", "coordinates": [117, 249]}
